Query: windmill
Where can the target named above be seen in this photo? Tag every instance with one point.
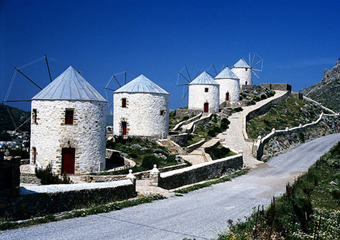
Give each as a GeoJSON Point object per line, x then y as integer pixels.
{"type": "Point", "coordinates": [255, 63]}
{"type": "Point", "coordinates": [184, 78]}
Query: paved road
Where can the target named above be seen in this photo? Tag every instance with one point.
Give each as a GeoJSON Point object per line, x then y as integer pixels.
{"type": "Point", "coordinates": [201, 214]}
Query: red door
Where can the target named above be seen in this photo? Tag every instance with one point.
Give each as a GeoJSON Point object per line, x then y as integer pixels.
{"type": "Point", "coordinates": [227, 96]}
{"type": "Point", "coordinates": [124, 128]}
{"type": "Point", "coordinates": [206, 107]}
{"type": "Point", "coordinates": [68, 155]}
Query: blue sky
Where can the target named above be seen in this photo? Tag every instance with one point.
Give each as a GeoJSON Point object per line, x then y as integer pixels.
{"type": "Point", "coordinates": [296, 39]}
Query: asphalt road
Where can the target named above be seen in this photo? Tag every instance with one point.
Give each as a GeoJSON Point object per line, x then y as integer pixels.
{"type": "Point", "coordinates": [201, 214]}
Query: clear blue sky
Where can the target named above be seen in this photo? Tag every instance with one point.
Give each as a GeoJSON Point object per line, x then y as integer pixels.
{"type": "Point", "coordinates": [296, 39]}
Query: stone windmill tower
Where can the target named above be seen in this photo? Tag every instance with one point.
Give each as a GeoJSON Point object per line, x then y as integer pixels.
{"type": "Point", "coordinates": [204, 94]}
{"type": "Point", "coordinates": [68, 126]}
{"type": "Point", "coordinates": [243, 71]}
{"type": "Point", "coordinates": [141, 108]}
{"type": "Point", "coordinates": [229, 86]}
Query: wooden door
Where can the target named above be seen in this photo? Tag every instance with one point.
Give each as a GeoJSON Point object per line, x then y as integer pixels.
{"type": "Point", "coordinates": [68, 157]}
{"type": "Point", "coordinates": [227, 96]}
{"type": "Point", "coordinates": [124, 128]}
{"type": "Point", "coordinates": [206, 107]}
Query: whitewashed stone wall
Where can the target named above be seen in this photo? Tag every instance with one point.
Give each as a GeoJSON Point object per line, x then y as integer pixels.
{"type": "Point", "coordinates": [198, 96]}
{"type": "Point", "coordinates": [86, 135]}
{"type": "Point", "coordinates": [244, 74]}
{"type": "Point", "coordinates": [229, 85]}
{"type": "Point", "coordinates": [142, 114]}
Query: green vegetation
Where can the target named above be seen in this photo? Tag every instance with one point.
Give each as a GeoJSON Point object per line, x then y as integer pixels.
{"type": "Point", "coordinates": [289, 114]}
{"type": "Point", "coordinates": [217, 151]}
{"type": "Point", "coordinates": [255, 96]}
{"type": "Point", "coordinates": [140, 150]}
{"type": "Point", "coordinates": [210, 129]}
{"type": "Point", "coordinates": [19, 117]}
{"type": "Point", "coordinates": [47, 177]}
{"type": "Point", "coordinates": [5, 224]}
{"type": "Point", "coordinates": [211, 182]}
{"type": "Point", "coordinates": [310, 208]}
{"type": "Point", "coordinates": [192, 138]}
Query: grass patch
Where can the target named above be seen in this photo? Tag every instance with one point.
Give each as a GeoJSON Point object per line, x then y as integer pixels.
{"type": "Point", "coordinates": [192, 139]}
{"type": "Point", "coordinates": [217, 151]}
{"type": "Point", "coordinates": [139, 149]}
{"type": "Point", "coordinates": [210, 129]}
{"type": "Point", "coordinates": [310, 208]}
{"type": "Point", "coordinates": [290, 114]}
{"type": "Point", "coordinates": [211, 182]}
{"type": "Point", "coordinates": [4, 224]}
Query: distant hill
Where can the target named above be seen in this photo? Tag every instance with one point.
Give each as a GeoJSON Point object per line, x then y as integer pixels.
{"type": "Point", "coordinates": [19, 116]}
{"type": "Point", "coordinates": [327, 92]}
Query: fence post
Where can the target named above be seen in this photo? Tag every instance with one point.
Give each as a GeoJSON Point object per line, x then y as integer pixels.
{"type": "Point", "coordinates": [154, 175]}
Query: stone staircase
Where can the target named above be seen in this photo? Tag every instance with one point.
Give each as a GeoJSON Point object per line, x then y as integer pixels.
{"type": "Point", "coordinates": [171, 146]}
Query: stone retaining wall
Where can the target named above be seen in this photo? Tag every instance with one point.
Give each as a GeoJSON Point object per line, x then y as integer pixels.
{"type": "Point", "coordinates": [187, 112]}
{"type": "Point", "coordinates": [277, 86]}
{"type": "Point", "coordinates": [138, 175]}
{"type": "Point", "coordinates": [199, 172]}
{"type": "Point", "coordinates": [260, 111]}
{"type": "Point", "coordinates": [26, 205]}
{"type": "Point", "coordinates": [194, 146]}
{"type": "Point", "coordinates": [261, 142]}
{"type": "Point", "coordinates": [177, 127]}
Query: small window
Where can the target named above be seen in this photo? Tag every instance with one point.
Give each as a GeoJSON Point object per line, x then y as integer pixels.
{"type": "Point", "coordinates": [34, 155]}
{"type": "Point", "coordinates": [69, 117]}
{"type": "Point", "coordinates": [34, 116]}
{"type": "Point", "coordinates": [123, 102]}
{"type": "Point", "coordinates": [162, 112]}
{"type": "Point", "coordinates": [206, 89]}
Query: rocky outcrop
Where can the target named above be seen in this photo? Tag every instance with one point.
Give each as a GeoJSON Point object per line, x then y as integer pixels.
{"type": "Point", "coordinates": [327, 92]}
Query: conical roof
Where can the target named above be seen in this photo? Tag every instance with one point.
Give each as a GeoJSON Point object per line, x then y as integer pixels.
{"type": "Point", "coordinates": [69, 85]}
{"type": "Point", "coordinates": [141, 84]}
{"type": "Point", "coordinates": [226, 74]}
{"type": "Point", "coordinates": [241, 64]}
{"type": "Point", "coordinates": [204, 79]}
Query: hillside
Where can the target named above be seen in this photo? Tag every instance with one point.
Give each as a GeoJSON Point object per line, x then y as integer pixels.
{"type": "Point", "coordinates": [19, 116]}
{"type": "Point", "coordinates": [327, 92]}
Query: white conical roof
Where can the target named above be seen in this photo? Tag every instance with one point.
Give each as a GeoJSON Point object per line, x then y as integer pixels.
{"type": "Point", "coordinates": [226, 74]}
{"type": "Point", "coordinates": [69, 85]}
{"type": "Point", "coordinates": [241, 64]}
{"type": "Point", "coordinates": [141, 84]}
{"type": "Point", "coordinates": [204, 79]}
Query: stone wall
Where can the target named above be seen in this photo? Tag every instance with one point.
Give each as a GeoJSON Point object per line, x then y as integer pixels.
{"type": "Point", "coordinates": [33, 204]}
{"type": "Point", "coordinates": [260, 111]}
{"type": "Point", "coordinates": [194, 146]}
{"type": "Point", "coordinates": [146, 114]}
{"type": "Point", "coordinates": [138, 175]}
{"type": "Point", "coordinates": [199, 172]}
{"type": "Point", "coordinates": [178, 126]}
{"type": "Point", "coordinates": [179, 138]}
{"type": "Point", "coordinates": [9, 176]}
{"type": "Point", "coordinates": [277, 86]}
{"type": "Point", "coordinates": [269, 145]}
{"type": "Point", "coordinates": [181, 112]}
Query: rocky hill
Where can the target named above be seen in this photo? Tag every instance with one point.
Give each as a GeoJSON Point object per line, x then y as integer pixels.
{"type": "Point", "coordinates": [19, 116]}
{"type": "Point", "coordinates": [327, 92]}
